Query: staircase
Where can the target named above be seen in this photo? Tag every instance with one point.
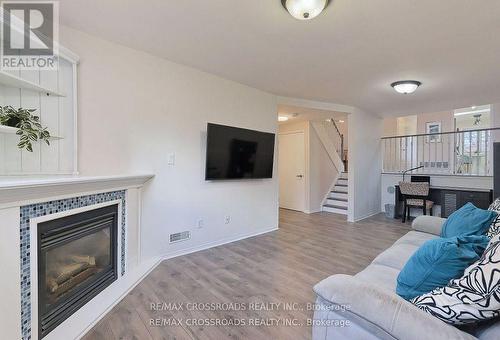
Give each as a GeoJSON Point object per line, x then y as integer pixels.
{"type": "Point", "coordinates": [336, 202]}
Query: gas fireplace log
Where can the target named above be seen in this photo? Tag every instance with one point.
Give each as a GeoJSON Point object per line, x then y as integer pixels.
{"type": "Point", "coordinates": [72, 282]}
{"type": "Point", "coordinates": [65, 272]}
{"type": "Point", "coordinates": [82, 259]}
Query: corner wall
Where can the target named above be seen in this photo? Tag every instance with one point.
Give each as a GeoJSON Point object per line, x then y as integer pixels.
{"type": "Point", "coordinates": [135, 110]}
{"type": "Point", "coordinates": [365, 164]}
{"type": "Point", "coordinates": [320, 172]}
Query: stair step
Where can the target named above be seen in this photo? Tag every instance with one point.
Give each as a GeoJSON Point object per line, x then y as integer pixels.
{"type": "Point", "coordinates": [342, 190]}
{"type": "Point", "coordinates": [335, 210]}
{"type": "Point", "coordinates": [337, 195]}
{"type": "Point", "coordinates": [340, 185]}
{"type": "Point", "coordinates": [339, 199]}
{"type": "Point", "coordinates": [337, 202]}
{"type": "Point", "coordinates": [343, 175]}
{"type": "Point", "coordinates": [335, 206]}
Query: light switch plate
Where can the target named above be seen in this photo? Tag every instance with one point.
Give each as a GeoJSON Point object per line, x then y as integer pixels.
{"type": "Point", "coordinates": [171, 159]}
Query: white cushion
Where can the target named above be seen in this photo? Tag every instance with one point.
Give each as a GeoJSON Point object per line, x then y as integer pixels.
{"type": "Point", "coordinates": [472, 298]}
{"type": "Point", "coordinates": [495, 225]}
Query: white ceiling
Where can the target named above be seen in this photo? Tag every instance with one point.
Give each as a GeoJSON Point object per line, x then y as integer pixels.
{"type": "Point", "coordinates": [348, 55]}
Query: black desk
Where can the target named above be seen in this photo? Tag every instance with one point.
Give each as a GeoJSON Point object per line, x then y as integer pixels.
{"type": "Point", "coordinates": [450, 199]}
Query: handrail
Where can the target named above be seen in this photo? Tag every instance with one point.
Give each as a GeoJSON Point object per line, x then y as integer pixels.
{"type": "Point", "coordinates": [441, 133]}
{"type": "Point", "coordinates": [341, 139]}
{"type": "Point", "coordinates": [336, 127]}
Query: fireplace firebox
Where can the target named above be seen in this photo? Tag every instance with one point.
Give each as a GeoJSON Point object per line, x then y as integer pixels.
{"type": "Point", "coordinates": [77, 259]}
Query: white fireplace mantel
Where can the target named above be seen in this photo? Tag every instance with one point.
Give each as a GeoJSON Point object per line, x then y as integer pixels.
{"type": "Point", "coordinates": [16, 192]}
{"type": "Point", "coordinates": [31, 190]}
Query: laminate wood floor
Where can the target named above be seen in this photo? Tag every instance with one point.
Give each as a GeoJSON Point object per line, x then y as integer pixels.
{"type": "Point", "coordinates": [257, 288]}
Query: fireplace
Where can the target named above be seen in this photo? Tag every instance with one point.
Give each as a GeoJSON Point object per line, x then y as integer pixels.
{"type": "Point", "coordinates": [77, 259]}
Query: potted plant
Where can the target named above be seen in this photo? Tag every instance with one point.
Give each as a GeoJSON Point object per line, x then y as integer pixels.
{"type": "Point", "coordinates": [29, 127]}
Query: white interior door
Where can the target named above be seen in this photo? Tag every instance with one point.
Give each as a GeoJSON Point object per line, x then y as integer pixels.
{"type": "Point", "coordinates": [291, 164]}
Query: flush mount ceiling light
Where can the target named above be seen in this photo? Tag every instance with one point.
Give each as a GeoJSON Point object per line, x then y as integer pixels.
{"type": "Point", "coordinates": [282, 118]}
{"type": "Point", "coordinates": [305, 9]}
{"type": "Point", "coordinates": [406, 86]}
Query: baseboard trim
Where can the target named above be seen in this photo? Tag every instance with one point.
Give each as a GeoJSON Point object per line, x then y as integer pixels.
{"type": "Point", "coordinates": [209, 245]}
{"type": "Point", "coordinates": [357, 219]}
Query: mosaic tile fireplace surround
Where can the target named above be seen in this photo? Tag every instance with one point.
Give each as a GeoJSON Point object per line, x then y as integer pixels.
{"type": "Point", "coordinates": [29, 212]}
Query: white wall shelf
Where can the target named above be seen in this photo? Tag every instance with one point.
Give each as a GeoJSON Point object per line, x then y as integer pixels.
{"type": "Point", "coordinates": [53, 96]}
{"type": "Point", "coordinates": [8, 130]}
{"type": "Point", "coordinates": [10, 80]}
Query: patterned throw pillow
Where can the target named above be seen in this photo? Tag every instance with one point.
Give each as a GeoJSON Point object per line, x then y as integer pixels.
{"type": "Point", "coordinates": [495, 225]}
{"type": "Point", "coordinates": [472, 298]}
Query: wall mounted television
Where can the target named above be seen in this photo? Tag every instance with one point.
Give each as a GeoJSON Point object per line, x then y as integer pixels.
{"type": "Point", "coordinates": [235, 153]}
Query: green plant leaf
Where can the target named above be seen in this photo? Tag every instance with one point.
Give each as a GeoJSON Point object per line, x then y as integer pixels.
{"type": "Point", "coordinates": [29, 126]}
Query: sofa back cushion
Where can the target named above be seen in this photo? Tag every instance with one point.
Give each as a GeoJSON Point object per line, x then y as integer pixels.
{"type": "Point", "coordinates": [472, 298]}
{"type": "Point", "coordinates": [438, 261]}
{"type": "Point", "coordinates": [468, 220]}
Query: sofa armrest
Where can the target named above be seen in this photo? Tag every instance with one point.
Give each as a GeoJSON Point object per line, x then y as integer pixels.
{"type": "Point", "coordinates": [428, 224]}
{"type": "Point", "coordinates": [384, 309]}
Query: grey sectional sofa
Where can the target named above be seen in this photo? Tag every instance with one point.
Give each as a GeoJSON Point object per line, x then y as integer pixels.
{"type": "Point", "coordinates": [365, 306]}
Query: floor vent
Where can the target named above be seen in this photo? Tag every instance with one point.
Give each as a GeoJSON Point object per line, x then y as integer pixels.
{"type": "Point", "coordinates": [177, 237]}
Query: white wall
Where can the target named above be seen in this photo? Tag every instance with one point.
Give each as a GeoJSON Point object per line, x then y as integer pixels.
{"type": "Point", "coordinates": [134, 109]}
{"type": "Point", "coordinates": [495, 120]}
{"type": "Point", "coordinates": [364, 164]}
{"type": "Point", "coordinates": [322, 171]}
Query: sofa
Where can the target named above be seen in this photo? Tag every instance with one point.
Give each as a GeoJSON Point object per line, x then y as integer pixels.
{"type": "Point", "coordinates": [366, 306]}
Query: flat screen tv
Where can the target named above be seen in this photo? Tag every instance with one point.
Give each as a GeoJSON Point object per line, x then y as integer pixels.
{"type": "Point", "coordinates": [234, 153]}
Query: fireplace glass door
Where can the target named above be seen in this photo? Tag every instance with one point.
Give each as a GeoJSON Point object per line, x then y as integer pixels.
{"type": "Point", "coordinates": [76, 260]}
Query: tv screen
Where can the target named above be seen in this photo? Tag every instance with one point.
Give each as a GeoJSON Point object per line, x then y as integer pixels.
{"type": "Point", "coordinates": [234, 153]}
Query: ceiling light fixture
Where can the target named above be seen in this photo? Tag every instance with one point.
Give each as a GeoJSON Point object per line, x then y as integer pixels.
{"type": "Point", "coordinates": [305, 9]}
{"type": "Point", "coordinates": [406, 86]}
{"type": "Point", "coordinates": [282, 118]}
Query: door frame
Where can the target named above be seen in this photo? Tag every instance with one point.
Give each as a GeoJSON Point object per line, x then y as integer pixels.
{"type": "Point", "coordinates": [305, 133]}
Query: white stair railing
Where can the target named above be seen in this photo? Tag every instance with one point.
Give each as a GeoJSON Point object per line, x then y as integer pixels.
{"type": "Point", "coordinates": [448, 153]}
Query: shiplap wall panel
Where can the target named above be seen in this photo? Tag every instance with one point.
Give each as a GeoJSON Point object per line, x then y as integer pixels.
{"type": "Point", "coordinates": [2, 137]}
{"type": "Point", "coordinates": [66, 117]}
{"type": "Point", "coordinates": [12, 156]}
{"type": "Point", "coordinates": [57, 114]}
{"type": "Point", "coordinates": [31, 100]}
{"type": "Point", "coordinates": [50, 113]}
